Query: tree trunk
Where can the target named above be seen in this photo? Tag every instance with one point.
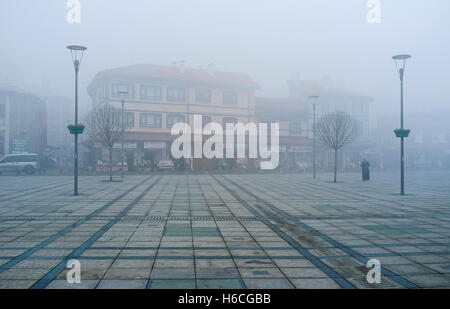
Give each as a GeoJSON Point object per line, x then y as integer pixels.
{"type": "Point", "coordinates": [110, 164]}
{"type": "Point", "coordinates": [335, 165]}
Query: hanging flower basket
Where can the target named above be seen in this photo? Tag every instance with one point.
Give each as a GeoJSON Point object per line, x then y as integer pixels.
{"type": "Point", "coordinates": [76, 129]}
{"type": "Point", "coordinates": [402, 132]}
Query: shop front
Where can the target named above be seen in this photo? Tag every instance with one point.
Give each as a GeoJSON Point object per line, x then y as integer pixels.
{"type": "Point", "coordinates": [151, 154]}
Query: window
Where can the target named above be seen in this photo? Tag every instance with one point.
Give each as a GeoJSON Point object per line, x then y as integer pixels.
{"type": "Point", "coordinates": [228, 120]}
{"type": "Point", "coordinates": [175, 94]}
{"type": "Point", "coordinates": [128, 121]}
{"type": "Point", "coordinates": [2, 110]}
{"type": "Point", "coordinates": [151, 93]}
{"type": "Point", "coordinates": [173, 119]}
{"type": "Point", "coordinates": [116, 87]}
{"type": "Point", "coordinates": [295, 128]}
{"type": "Point", "coordinates": [206, 120]}
{"type": "Point", "coordinates": [8, 160]}
{"type": "Point", "coordinates": [418, 138]}
{"type": "Point", "coordinates": [229, 97]}
{"type": "Point", "coordinates": [151, 120]}
{"type": "Point", "coordinates": [20, 158]}
{"type": "Point", "coordinates": [438, 138]}
{"type": "Point", "coordinates": [26, 159]}
{"type": "Point", "coordinates": [2, 142]}
{"type": "Point", "coordinates": [203, 95]}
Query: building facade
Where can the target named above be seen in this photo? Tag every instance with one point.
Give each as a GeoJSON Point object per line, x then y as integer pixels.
{"type": "Point", "coordinates": [293, 117]}
{"type": "Point", "coordinates": [160, 96]}
{"type": "Point", "coordinates": [23, 122]}
{"type": "Point", "coordinates": [60, 143]}
{"type": "Point", "coordinates": [426, 148]}
{"type": "Point", "coordinates": [330, 100]}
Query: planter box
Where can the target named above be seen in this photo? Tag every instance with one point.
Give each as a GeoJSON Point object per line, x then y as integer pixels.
{"type": "Point", "coordinates": [402, 132]}
{"type": "Point", "coordinates": [76, 129]}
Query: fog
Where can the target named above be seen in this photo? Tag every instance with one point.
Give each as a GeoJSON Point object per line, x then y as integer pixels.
{"type": "Point", "coordinates": [267, 39]}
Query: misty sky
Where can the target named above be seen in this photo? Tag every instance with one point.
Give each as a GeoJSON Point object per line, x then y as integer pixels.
{"type": "Point", "coordinates": [266, 38]}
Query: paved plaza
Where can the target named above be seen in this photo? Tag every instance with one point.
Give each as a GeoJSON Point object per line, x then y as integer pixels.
{"type": "Point", "coordinates": [226, 231]}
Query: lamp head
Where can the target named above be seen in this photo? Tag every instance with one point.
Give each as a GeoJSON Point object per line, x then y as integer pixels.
{"type": "Point", "coordinates": [400, 63]}
{"type": "Point", "coordinates": [77, 52]}
{"type": "Point", "coordinates": [313, 99]}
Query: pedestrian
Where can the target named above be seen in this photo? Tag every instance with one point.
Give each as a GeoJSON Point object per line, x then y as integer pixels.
{"type": "Point", "coordinates": [365, 170]}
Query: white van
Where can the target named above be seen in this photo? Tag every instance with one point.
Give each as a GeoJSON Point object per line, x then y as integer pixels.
{"type": "Point", "coordinates": [18, 163]}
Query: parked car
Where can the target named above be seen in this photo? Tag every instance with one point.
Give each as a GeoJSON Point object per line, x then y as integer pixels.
{"type": "Point", "coordinates": [165, 165]}
{"type": "Point", "coordinates": [18, 163]}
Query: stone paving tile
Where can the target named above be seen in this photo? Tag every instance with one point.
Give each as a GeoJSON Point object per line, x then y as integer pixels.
{"type": "Point", "coordinates": [86, 273]}
{"type": "Point", "coordinates": [173, 284]}
{"type": "Point", "coordinates": [213, 263]}
{"type": "Point", "coordinates": [172, 273]}
{"type": "Point", "coordinates": [135, 263]}
{"type": "Point", "coordinates": [62, 284]}
{"type": "Point", "coordinates": [223, 272]}
{"type": "Point", "coordinates": [267, 284]}
{"type": "Point", "coordinates": [174, 263]}
{"type": "Point", "coordinates": [261, 273]}
{"type": "Point", "coordinates": [229, 247]}
{"type": "Point", "coordinates": [304, 272]}
{"type": "Point", "coordinates": [127, 273]}
{"type": "Point", "coordinates": [220, 284]}
{"type": "Point", "coordinates": [16, 284]}
{"type": "Point", "coordinates": [122, 284]}
{"type": "Point", "coordinates": [429, 281]}
{"type": "Point", "coordinates": [308, 283]}
{"type": "Point", "coordinates": [23, 274]}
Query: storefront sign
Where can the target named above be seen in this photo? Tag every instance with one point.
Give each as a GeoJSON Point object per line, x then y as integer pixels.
{"type": "Point", "coordinates": [125, 145]}
{"type": "Point", "coordinates": [154, 145]}
{"type": "Point", "coordinates": [19, 146]}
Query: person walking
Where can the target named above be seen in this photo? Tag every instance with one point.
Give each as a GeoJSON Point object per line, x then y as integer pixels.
{"type": "Point", "coordinates": [365, 170]}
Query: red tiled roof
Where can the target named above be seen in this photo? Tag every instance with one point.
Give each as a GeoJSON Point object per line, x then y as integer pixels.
{"type": "Point", "coordinates": [187, 75]}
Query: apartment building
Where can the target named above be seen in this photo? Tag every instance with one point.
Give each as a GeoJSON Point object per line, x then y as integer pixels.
{"type": "Point", "coordinates": [293, 118]}
{"type": "Point", "coordinates": [23, 122]}
{"type": "Point", "coordinates": [159, 96]}
{"type": "Point", "coordinates": [332, 99]}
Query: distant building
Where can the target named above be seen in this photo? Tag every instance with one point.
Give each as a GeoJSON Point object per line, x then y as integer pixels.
{"type": "Point", "coordinates": [427, 147]}
{"type": "Point", "coordinates": [23, 122]}
{"type": "Point", "coordinates": [59, 116]}
{"type": "Point", "coordinates": [160, 96]}
{"type": "Point", "coordinates": [60, 113]}
{"type": "Point", "coordinates": [330, 100]}
{"type": "Point", "coordinates": [293, 117]}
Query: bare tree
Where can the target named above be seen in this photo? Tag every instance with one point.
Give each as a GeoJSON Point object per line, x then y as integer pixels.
{"type": "Point", "coordinates": [335, 130]}
{"type": "Point", "coordinates": [104, 125]}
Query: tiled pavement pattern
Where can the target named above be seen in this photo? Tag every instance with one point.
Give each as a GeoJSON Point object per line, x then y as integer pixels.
{"type": "Point", "coordinates": [225, 231]}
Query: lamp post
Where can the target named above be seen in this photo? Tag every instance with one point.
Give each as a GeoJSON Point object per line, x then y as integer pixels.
{"type": "Point", "coordinates": [400, 62]}
{"type": "Point", "coordinates": [77, 55]}
{"type": "Point", "coordinates": [313, 100]}
{"type": "Point", "coordinates": [122, 94]}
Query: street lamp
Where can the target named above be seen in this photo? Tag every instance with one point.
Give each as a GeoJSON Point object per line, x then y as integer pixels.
{"type": "Point", "coordinates": [77, 55]}
{"type": "Point", "coordinates": [313, 101]}
{"type": "Point", "coordinates": [122, 95]}
{"type": "Point", "coordinates": [400, 62]}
